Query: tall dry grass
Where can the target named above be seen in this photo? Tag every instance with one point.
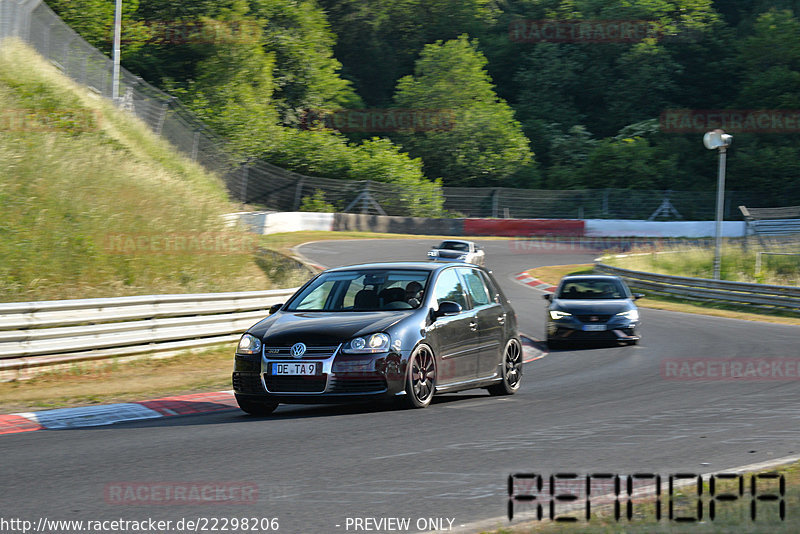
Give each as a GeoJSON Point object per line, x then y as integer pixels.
{"type": "Point", "coordinates": [79, 177]}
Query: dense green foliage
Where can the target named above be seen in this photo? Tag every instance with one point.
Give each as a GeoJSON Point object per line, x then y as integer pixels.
{"type": "Point", "coordinates": [569, 114]}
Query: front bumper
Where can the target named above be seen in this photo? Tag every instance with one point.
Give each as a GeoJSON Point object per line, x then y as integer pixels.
{"type": "Point", "coordinates": [340, 378]}
{"type": "Point", "coordinates": [575, 331]}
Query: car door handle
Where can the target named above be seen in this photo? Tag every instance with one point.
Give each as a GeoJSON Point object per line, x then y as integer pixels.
{"type": "Point", "coordinates": [473, 325]}
{"type": "Point", "coordinates": [501, 319]}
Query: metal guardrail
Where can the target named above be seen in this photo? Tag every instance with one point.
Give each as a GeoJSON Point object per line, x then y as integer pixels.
{"type": "Point", "coordinates": [39, 334]}
{"type": "Point", "coordinates": [760, 296]}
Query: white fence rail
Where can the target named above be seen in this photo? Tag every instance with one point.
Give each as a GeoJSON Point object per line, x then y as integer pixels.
{"type": "Point", "coordinates": [760, 296]}
{"type": "Point", "coordinates": [40, 334]}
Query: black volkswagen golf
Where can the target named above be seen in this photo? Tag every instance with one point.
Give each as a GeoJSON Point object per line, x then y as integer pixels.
{"type": "Point", "coordinates": [400, 331]}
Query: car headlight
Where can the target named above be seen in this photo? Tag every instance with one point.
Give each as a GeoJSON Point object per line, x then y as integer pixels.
{"type": "Point", "coordinates": [249, 344]}
{"type": "Point", "coordinates": [371, 344]}
{"type": "Point", "coordinates": [558, 314]}
{"type": "Point", "coordinates": [631, 315]}
{"type": "Point", "coordinates": [433, 253]}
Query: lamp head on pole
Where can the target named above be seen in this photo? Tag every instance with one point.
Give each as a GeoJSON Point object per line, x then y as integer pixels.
{"type": "Point", "coordinates": [717, 139]}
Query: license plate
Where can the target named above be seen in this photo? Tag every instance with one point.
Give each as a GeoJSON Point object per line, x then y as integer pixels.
{"type": "Point", "coordinates": [294, 368]}
{"type": "Point", "coordinates": [594, 327]}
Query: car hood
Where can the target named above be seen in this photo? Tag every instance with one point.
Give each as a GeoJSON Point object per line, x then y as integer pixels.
{"type": "Point", "coordinates": [596, 306]}
{"type": "Point", "coordinates": [284, 329]}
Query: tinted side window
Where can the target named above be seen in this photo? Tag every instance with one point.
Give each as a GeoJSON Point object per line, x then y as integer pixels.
{"type": "Point", "coordinates": [494, 292]}
{"type": "Point", "coordinates": [477, 289]}
{"type": "Point", "coordinates": [449, 287]}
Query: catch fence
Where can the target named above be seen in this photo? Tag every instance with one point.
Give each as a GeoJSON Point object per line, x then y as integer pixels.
{"type": "Point", "coordinates": [265, 185]}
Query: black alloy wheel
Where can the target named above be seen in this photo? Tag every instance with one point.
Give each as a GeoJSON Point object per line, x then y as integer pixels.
{"type": "Point", "coordinates": [512, 370]}
{"type": "Point", "coordinates": [421, 378]}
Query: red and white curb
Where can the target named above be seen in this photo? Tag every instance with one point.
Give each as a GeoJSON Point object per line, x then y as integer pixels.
{"type": "Point", "coordinates": [107, 414]}
{"type": "Point", "coordinates": [525, 278]}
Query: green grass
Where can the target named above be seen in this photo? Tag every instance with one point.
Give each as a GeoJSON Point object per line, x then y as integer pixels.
{"type": "Point", "coordinates": [108, 381]}
{"type": "Point", "coordinates": [71, 195]}
{"type": "Point", "coordinates": [737, 264]}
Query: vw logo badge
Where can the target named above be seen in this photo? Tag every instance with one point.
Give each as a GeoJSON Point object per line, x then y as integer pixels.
{"type": "Point", "coordinates": [298, 349]}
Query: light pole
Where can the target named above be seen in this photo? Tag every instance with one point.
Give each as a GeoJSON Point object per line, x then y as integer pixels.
{"type": "Point", "coordinates": [117, 38]}
{"type": "Point", "coordinates": [721, 141]}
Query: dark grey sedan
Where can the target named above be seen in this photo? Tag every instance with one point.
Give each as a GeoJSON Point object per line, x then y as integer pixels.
{"type": "Point", "coordinates": [592, 308]}
{"type": "Point", "coordinates": [400, 331]}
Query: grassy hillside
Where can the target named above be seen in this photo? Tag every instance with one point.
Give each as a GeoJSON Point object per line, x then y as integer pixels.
{"type": "Point", "coordinates": [93, 204]}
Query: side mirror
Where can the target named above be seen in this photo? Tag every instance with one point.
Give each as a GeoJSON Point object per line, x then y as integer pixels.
{"type": "Point", "coordinates": [447, 307]}
{"type": "Point", "coordinates": [547, 296]}
{"type": "Point", "coordinates": [637, 296]}
{"type": "Point", "coordinates": [275, 307]}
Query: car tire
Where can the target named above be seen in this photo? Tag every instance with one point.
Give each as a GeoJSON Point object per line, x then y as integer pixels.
{"type": "Point", "coordinates": [420, 378]}
{"type": "Point", "coordinates": [256, 407]}
{"type": "Point", "coordinates": [512, 370]}
{"type": "Point", "coordinates": [554, 344]}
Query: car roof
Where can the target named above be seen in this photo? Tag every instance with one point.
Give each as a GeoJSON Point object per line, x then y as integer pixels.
{"type": "Point", "coordinates": [457, 241]}
{"type": "Point", "coordinates": [416, 265]}
{"type": "Point", "coordinates": [571, 277]}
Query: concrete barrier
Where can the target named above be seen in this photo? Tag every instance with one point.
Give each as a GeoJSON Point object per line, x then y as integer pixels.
{"type": "Point", "coordinates": [355, 222]}
{"type": "Point", "coordinates": [627, 228]}
{"type": "Point", "coordinates": [263, 222]}
{"type": "Point", "coordinates": [524, 227]}
{"type": "Point", "coordinates": [272, 222]}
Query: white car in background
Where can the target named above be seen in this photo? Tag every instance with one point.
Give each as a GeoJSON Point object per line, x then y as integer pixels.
{"type": "Point", "coordinates": [458, 250]}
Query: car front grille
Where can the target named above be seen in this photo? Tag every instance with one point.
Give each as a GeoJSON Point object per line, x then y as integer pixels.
{"type": "Point", "coordinates": [342, 383]}
{"type": "Point", "coordinates": [311, 353]}
{"type": "Point", "coordinates": [593, 318]}
{"type": "Point", "coordinates": [248, 383]}
{"type": "Point", "coordinates": [296, 384]}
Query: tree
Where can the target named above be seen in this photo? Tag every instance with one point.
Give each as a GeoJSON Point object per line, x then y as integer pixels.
{"type": "Point", "coordinates": [306, 72]}
{"type": "Point", "coordinates": [485, 144]}
{"type": "Point", "coordinates": [233, 90]}
{"type": "Point", "coordinates": [379, 40]}
{"type": "Point", "coordinates": [771, 61]}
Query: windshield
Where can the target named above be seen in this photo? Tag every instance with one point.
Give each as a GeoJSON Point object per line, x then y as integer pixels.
{"type": "Point", "coordinates": [455, 245]}
{"type": "Point", "coordinates": [599, 288]}
{"type": "Point", "coordinates": [362, 290]}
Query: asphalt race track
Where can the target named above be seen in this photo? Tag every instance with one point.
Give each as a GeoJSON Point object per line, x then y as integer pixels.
{"type": "Point", "coordinates": [585, 411]}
